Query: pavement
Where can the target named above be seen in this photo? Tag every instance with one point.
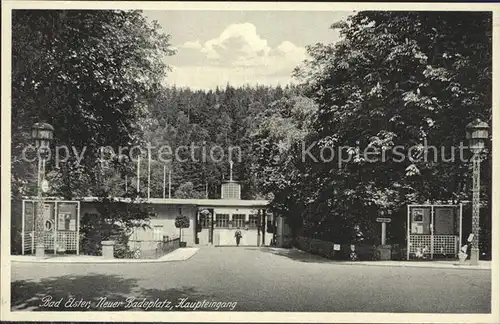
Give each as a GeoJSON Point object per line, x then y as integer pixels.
{"type": "Point", "coordinates": [180, 254]}
{"type": "Point", "coordinates": [250, 279]}
{"type": "Point", "coordinates": [482, 265]}
{"type": "Point", "coordinates": [183, 254]}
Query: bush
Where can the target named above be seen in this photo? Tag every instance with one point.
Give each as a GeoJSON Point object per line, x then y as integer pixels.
{"type": "Point", "coordinates": [182, 222]}
{"type": "Point", "coordinates": [121, 248]}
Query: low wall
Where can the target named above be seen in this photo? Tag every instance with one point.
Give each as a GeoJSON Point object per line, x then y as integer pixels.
{"type": "Point", "coordinates": [326, 249]}
{"type": "Point", "coordinates": [363, 251]}
{"type": "Point", "coordinates": [150, 249]}
{"type": "Point", "coordinates": [318, 247]}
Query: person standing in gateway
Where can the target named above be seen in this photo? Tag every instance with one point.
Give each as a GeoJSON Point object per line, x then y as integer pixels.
{"type": "Point", "coordinates": [238, 236]}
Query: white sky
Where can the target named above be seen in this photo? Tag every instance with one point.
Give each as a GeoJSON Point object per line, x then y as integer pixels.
{"type": "Point", "coordinates": [241, 47]}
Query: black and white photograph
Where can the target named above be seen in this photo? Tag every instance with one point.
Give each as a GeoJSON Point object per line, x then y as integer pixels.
{"type": "Point", "coordinates": [222, 161]}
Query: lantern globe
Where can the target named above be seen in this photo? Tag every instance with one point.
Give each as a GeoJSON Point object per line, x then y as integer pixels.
{"type": "Point", "coordinates": [42, 133]}
{"type": "Point", "coordinates": [477, 134]}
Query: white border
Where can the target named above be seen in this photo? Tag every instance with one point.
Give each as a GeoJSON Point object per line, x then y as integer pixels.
{"type": "Point", "coordinates": [5, 312]}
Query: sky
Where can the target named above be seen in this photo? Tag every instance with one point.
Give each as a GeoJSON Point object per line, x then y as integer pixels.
{"type": "Point", "coordinates": [215, 48]}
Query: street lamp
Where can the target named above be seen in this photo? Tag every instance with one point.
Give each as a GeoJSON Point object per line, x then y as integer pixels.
{"type": "Point", "coordinates": [477, 134]}
{"type": "Point", "coordinates": [43, 134]}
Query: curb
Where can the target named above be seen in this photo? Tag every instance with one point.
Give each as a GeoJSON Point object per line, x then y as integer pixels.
{"type": "Point", "coordinates": [105, 261]}
{"type": "Point", "coordinates": [455, 266]}
{"type": "Point", "coordinates": [404, 265]}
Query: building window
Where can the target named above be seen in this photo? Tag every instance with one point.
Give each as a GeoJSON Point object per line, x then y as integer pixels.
{"type": "Point", "coordinates": [222, 220]}
{"type": "Point", "coordinates": [231, 191]}
{"type": "Point", "coordinates": [158, 233]}
{"type": "Point", "coordinates": [239, 220]}
{"type": "Point", "coordinates": [205, 221]}
{"type": "Point", "coordinates": [252, 221]}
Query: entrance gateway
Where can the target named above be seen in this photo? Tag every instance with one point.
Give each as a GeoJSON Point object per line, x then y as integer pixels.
{"type": "Point", "coordinates": [217, 221]}
{"type": "Point", "coordinates": [218, 225]}
{"type": "Point", "coordinates": [434, 231]}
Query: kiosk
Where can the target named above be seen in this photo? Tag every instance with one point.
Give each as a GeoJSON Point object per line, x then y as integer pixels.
{"type": "Point", "coordinates": [434, 230]}
{"type": "Point", "coordinates": [61, 220]}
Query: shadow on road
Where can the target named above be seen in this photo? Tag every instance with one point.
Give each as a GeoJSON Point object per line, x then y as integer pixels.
{"type": "Point", "coordinates": [296, 255]}
{"type": "Point", "coordinates": [32, 295]}
{"type": "Point", "coordinates": [65, 293]}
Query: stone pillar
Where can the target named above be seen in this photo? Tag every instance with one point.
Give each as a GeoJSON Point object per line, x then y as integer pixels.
{"type": "Point", "coordinates": [108, 248]}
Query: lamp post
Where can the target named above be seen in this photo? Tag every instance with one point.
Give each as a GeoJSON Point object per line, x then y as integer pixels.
{"type": "Point", "coordinates": [476, 133]}
{"type": "Point", "coordinates": [43, 134]}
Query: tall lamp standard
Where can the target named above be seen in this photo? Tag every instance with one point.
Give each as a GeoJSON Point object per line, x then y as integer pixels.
{"type": "Point", "coordinates": [43, 134]}
{"type": "Point", "coordinates": [477, 134]}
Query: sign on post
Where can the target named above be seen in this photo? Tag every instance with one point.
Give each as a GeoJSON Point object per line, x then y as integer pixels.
{"type": "Point", "coordinates": [45, 186]}
{"type": "Point", "coordinates": [384, 221]}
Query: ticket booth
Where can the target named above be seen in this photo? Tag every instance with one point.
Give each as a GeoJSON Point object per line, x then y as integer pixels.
{"type": "Point", "coordinates": [434, 231]}
{"type": "Point", "coordinates": [61, 225]}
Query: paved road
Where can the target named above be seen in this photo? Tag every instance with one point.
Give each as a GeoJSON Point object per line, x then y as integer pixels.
{"type": "Point", "coordinates": [258, 280]}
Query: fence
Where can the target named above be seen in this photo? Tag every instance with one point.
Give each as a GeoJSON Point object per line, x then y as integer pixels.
{"type": "Point", "coordinates": [149, 249]}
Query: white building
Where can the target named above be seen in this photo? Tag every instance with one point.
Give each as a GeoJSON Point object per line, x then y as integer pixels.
{"type": "Point", "coordinates": [211, 221]}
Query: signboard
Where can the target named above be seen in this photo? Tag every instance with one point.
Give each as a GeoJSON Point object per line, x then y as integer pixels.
{"type": "Point", "coordinates": [48, 224]}
{"type": "Point", "coordinates": [336, 247]}
{"type": "Point", "coordinates": [444, 221]}
{"type": "Point", "coordinates": [45, 186]}
{"type": "Point", "coordinates": [72, 225]}
{"type": "Point", "coordinates": [420, 220]}
{"type": "Point", "coordinates": [417, 228]}
{"type": "Point", "coordinates": [66, 218]}
{"type": "Point", "coordinates": [48, 211]}
{"type": "Point", "coordinates": [470, 238]}
{"type": "Point", "coordinates": [418, 215]}
{"type": "Point", "coordinates": [383, 220]}
{"type": "Point", "coordinates": [29, 216]}
{"type": "Point", "coordinates": [63, 221]}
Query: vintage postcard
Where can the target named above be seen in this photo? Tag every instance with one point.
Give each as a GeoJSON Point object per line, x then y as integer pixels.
{"type": "Point", "coordinates": [249, 162]}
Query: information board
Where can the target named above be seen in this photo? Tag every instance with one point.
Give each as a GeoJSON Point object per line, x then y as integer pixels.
{"type": "Point", "coordinates": [29, 216]}
{"type": "Point", "coordinates": [444, 221]}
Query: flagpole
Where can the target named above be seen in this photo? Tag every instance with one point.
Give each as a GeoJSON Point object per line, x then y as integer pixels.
{"type": "Point", "coordinates": [149, 173]}
{"type": "Point", "coordinates": [164, 179]}
{"type": "Point", "coordinates": [138, 173]}
{"type": "Point", "coordinates": [169, 184]}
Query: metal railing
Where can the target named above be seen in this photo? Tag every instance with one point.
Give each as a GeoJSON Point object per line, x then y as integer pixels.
{"type": "Point", "coordinates": [151, 249]}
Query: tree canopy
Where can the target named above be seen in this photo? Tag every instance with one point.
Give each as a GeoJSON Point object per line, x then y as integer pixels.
{"type": "Point", "coordinates": [406, 80]}
{"type": "Point", "coordinates": [90, 74]}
